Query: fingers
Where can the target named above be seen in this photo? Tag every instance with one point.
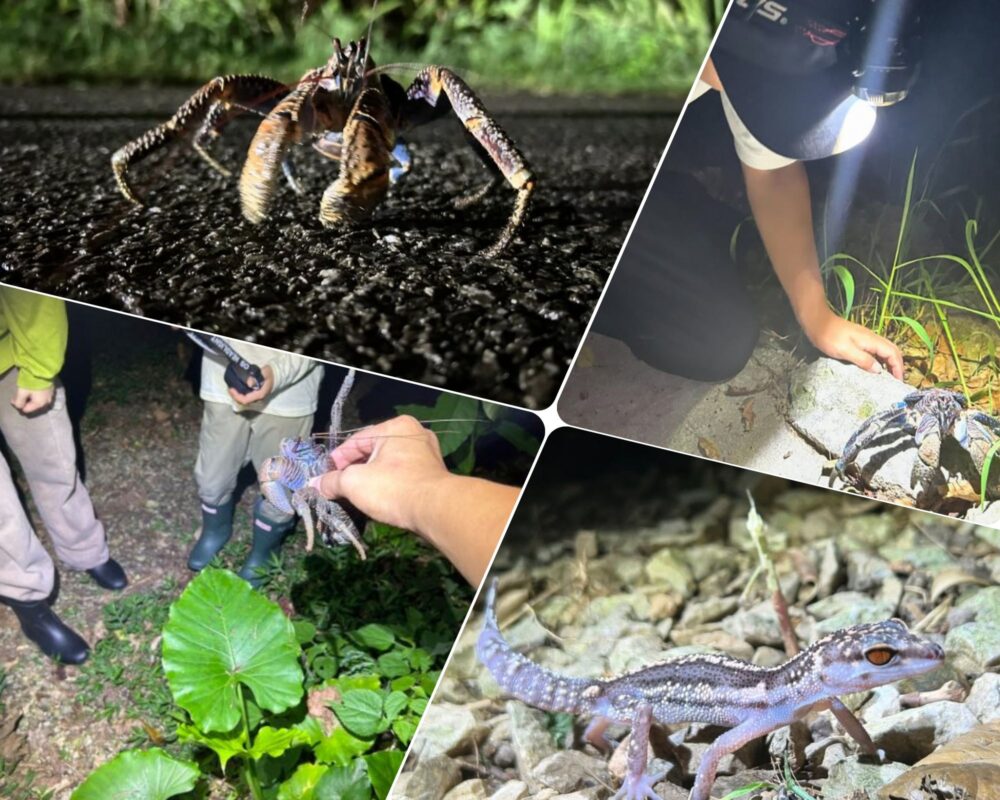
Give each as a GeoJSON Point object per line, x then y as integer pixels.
{"type": "Point", "coordinates": [249, 397]}
{"type": "Point", "coordinates": [20, 398]}
{"type": "Point", "coordinates": [882, 349]}
{"type": "Point", "coordinates": [363, 445]}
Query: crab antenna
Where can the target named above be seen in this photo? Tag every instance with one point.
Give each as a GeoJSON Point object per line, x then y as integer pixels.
{"type": "Point", "coordinates": [368, 39]}
{"type": "Point", "coordinates": [397, 66]}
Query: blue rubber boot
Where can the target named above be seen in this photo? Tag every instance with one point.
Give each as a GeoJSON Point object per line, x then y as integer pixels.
{"type": "Point", "coordinates": [268, 536]}
{"type": "Point", "coordinates": [216, 530]}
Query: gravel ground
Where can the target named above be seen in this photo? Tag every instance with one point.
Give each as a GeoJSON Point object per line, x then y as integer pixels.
{"type": "Point", "coordinates": [401, 295]}
{"type": "Point", "coordinates": [613, 596]}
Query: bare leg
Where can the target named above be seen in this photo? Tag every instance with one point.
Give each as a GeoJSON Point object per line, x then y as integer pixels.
{"type": "Point", "coordinates": [639, 782]}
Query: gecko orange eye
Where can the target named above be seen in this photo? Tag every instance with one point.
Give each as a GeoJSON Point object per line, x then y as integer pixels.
{"type": "Point", "coordinates": [880, 656]}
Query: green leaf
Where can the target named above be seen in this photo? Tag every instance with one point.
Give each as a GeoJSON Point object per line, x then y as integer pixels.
{"type": "Point", "coordinates": [404, 728]}
{"type": "Point", "coordinates": [224, 745]}
{"type": "Point", "coordinates": [745, 790]}
{"type": "Point", "coordinates": [394, 664]}
{"type": "Point", "coordinates": [302, 784]}
{"type": "Point", "coordinates": [360, 712]}
{"type": "Point", "coordinates": [273, 742]}
{"type": "Point", "coordinates": [847, 283]}
{"type": "Point", "coordinates": [921, 332]}
{"type": "Point", "coordinates": [345, 783]}
{"type": "Point", "coordinates": [984, 478]}
{"type": "Point", "coordinates": [382, 769]}
{"type": "Point", "coordinates": [461, 413]}
{"type": "Point", "coordinates": [377, 637]}
{"type": "Point", "coordinates": [341, 748]}
{"type": "Point", "coordinates": [418, 705]}
{"type": "Point", "coordinates": [349, 682]}
{"type": "Point", "coordinates": [518, 436]}
{"type": "Point", "coordinates": [139, 775]}
{"type": "Point", "coordinates": [402, 683]}
{"type": "Point", "coordinates": [305, 631]}
{"type": "Point", "coordinates": [222, 634]}
{"type": "Point", "coordinates": [394, 704]}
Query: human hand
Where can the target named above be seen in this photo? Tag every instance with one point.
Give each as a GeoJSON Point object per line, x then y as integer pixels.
{"type": "Point", "coordinates": [29, 401]}
{"type": "Point", "coordinates": [387, 471]}
{"type": "Point", "coordinates": [259, 393]}
{"type": "Point", "coordinates": [848, 341]}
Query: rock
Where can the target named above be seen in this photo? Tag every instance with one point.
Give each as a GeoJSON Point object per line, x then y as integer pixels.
{"type": "Point", "coordinates": [768, 657]}
{"type": "Point", "coordinates": [912, 734]}
{"type": "Point", "coordinates": [724, 642]}
{"type": "Point", "coordinates": [698, 612]}
{"type": "Point", "coordinates": [709, 559]}
{"type": "Point", "coordinates": [526, 634]}
{"type": "Point", "coordinates": [974, 647]}
{"type": "Point", "coordinates": [984, 604]}
{"type": "Point", "coordinates": [430, 779]}
{"type": "Point", "coordinates": [666, 569]}
{"type": "Point", "coordinates": [473, 789]}
{"type": "Point", "coordinates": [635, 651]}
{"type": "Point", "coordinates": [568, 770]}
{"type": "Point", "coordinates": [756, 625]}
{"type": "Point", "coordinates": [866, 571]}
{"type": "Point", "coordinates": [984, 699]}
{"type": "Point", "coordinates": [830, 570]}
{"type": "Point", "coordinates": [844, 609]}
{"type": "Point", "coordinates": [663, 606]}
{"type": "Point", "coordinates": [884, 702]}
{"type": "Point", "coordinates": [530, 739]}
{"type": "Point", "coordinates": [849, 775]}
{"type": "Point", "coordinates": [448, 729]}
{"type": "Point", "coordinates": [585, 794]}
{"type": "Point", "coordinates": [512, 790]}
{"type": "Point", "coordinates": [789, 740]}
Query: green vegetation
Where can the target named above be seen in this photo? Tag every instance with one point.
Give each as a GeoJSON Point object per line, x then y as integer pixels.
{"type": "Point", "coordinates": [944, 302]}
{"type": "Point", "coordinates": [601, 46]}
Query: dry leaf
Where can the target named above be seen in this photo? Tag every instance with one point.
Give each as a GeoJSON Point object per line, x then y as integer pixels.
{"type": "Point", "coordinates": [746, 414]}
{"type": "Point", "coordinates": [708, 449]}
{"type": "Point", "coordinates": [949, 578]}
{"type": "Point", "coordinates": [971, 763]}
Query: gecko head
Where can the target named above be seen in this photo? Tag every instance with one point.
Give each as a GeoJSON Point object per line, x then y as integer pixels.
{"type": "Point", "coordinates": [874, 654]}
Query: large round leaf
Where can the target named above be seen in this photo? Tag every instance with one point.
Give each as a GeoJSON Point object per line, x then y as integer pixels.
{"type": "Point", "coordinates": [138, 775]}
{"type": "Point", "coordinates": [220, 634]}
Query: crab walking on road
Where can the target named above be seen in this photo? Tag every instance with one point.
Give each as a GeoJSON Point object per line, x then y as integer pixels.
{"type": "Point", "coordinates": [715, 689]}
{"type": "Point", "coordinates": [351, 113]}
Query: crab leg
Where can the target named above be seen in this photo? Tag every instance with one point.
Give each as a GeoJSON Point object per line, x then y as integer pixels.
{"type": "Point", "coordinates": [441, 89]}
{"type": "Point", "coordinates": [208, 109]}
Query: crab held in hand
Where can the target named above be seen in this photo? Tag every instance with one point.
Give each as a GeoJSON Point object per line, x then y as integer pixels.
{"type": "Point", "coordinates": [284, 482]}
{"type": "Point", "coordinates": [930, 417]}
{"type": "Point", "coordinates": [351, 113]}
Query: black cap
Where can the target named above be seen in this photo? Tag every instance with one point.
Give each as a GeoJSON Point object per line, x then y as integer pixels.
{"type": "Point", "coordinates": [785, 68]}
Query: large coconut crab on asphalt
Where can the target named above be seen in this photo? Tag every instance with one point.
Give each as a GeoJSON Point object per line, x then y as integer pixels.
{"type": "Point", "coordinates": [351, 113]}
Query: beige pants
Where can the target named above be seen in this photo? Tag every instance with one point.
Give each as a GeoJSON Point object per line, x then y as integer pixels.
{"type": "Point", "coordinates": [230, 439]}
{"type": "Point", "coordinates": [43, 446]}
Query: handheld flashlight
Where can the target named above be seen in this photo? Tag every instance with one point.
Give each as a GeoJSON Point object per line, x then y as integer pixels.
{"type": "Point", "coordinates": [889, 53]}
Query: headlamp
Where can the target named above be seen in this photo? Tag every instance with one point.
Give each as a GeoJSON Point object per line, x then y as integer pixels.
{"type": "Point", "coordinates": [887, 41]}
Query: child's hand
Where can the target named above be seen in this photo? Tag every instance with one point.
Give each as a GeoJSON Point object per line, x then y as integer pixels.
{"type": "Point", "coordinates": [848, 341]}
{"type": "Point", "coordinates": [29, 401]}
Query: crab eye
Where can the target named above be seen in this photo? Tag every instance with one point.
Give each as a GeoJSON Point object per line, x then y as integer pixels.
{"type": "Point", "coordinates": [880, 656]}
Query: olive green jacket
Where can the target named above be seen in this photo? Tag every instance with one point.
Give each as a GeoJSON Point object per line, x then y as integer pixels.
{"type": "Point", "coordinates": [33, 331]}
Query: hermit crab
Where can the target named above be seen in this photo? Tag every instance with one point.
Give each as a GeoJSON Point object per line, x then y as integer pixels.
{"type": "Point", "coordinates": [351, 112]}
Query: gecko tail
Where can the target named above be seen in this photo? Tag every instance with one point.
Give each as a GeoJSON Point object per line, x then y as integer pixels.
{"type": "Point", "coordinates": [523, 678]}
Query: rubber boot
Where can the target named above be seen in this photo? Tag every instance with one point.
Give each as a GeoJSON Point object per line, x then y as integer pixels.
{"type": "Point", "coordinates": [268, 536]}
{"type": "Point", "coordinates": [216, 530]}
{"type": "Point", "coordinates": [53, 636]}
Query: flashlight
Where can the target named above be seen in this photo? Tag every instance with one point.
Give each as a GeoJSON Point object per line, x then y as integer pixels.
{"type": "Point", "coordinates": [889, 62]}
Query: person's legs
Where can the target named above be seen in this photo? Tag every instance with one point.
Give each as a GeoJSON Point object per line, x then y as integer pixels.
{"type": "Point", "coordinates": [677, 299]}
{"type": "Point", "coordinates": [43, 445]}
{"type": "Point", "coordinates": [26, 579]}
{"type": "Point", "coordinates": [270, 525]}
{"type": "Point", "coordinates": [223, 444]}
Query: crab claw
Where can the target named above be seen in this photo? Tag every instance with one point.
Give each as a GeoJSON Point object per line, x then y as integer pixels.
{"type": "Point", "coordinates": [271, 485]}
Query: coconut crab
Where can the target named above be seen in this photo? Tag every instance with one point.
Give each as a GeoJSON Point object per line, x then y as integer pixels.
{"type": "Point", "coordinates": [930, 417]}
{"type": "Point", "coordinates": [351, 113]}
{"type": "Point", "coordinates": [284, 482]}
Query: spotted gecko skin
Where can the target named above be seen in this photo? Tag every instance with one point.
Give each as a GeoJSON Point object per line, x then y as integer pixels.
{"type": "Point", "coordinates": [715, 689]}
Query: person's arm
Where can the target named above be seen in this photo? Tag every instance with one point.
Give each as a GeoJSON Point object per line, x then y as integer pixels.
{"type": "Point", "coordinates": [782, 209]}
{"type": "Point", "coordinates": [393, 472]}
{"type": "Point", "coordinates": [38, 331]}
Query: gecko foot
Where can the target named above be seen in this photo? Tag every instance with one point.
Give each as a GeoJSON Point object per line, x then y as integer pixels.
{"type": "Point", "coordinates": [640, 787]}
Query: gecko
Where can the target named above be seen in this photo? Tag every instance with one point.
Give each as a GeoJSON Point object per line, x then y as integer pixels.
{"type": "Point", "coordinates": [716, 689]}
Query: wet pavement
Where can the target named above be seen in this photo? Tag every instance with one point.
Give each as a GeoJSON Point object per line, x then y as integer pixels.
{"type": "Point", "coordinates": [403, 294]}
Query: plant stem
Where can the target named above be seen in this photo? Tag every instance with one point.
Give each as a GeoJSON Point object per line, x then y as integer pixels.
{"type": "Point", "coordinates": [249, 770]}
{"type": "Point", "coordinates": [884, 312]}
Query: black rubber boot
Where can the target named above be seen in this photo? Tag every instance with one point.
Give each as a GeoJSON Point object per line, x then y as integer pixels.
{"type": "Point", "coordinates": [53, 636]}
{"type": "Point", "coordinates": [109, 575]}
{"type": "Point", "coordinates": [268, 536]}
{"type": "Point", "coordinates": [216, 530]}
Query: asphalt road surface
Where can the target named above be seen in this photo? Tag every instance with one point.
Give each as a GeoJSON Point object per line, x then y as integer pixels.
{"type": "Point", "coordinates": [402, 295]}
